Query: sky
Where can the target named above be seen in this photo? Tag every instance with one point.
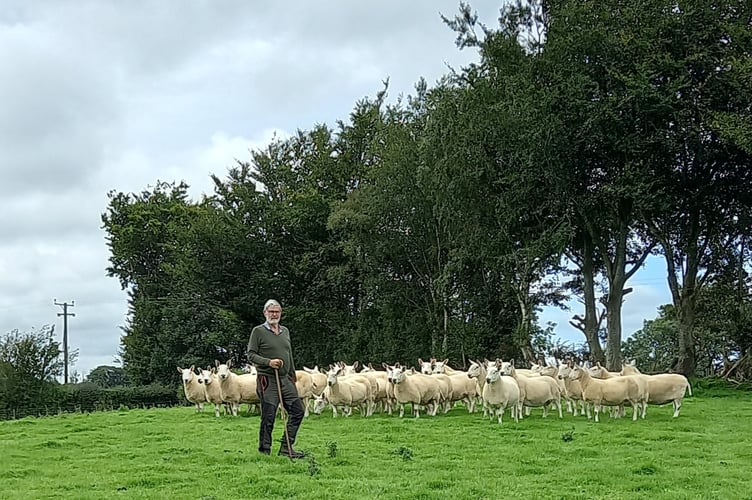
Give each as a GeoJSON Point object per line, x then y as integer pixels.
{"type": "Point", "coordinates": [105, 95]}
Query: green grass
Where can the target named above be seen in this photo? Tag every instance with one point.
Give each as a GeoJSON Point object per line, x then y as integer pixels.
{"type": "Point", "coordinates": [176, 453]}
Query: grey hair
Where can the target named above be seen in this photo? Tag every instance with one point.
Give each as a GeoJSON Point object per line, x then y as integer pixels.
{"type": "Point", "coordinates": [270, 303]}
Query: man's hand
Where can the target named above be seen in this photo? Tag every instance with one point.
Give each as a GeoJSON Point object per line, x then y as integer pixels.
{"type": "Point", "coordinates": [276, 363]}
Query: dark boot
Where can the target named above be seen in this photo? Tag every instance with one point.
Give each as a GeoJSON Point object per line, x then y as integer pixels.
{"type": "Point", "coordinates": [295, 455]}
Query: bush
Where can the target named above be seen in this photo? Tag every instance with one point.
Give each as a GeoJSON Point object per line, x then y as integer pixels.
{"type": "Point", "coordinates": [34, 398]}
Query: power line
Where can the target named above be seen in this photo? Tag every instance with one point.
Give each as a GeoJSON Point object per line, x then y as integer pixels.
{"type": "Point", "coordinates": [65, 315]}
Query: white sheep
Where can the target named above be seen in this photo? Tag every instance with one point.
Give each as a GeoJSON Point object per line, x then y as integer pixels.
{"type": "Point", "coordinates": [500, 392]}
{"type": "Point", "coordinates": [345, 391]}
{"type": "Point", "coordinates": [463, 387]}
{"type": "Point", "coordinates": [194, 391]}
{"type": "Point", "coordinates": [304, 386]}
{"type": "Point", "coordinates": [573, 390]}
{"type": "Point", "coordinates": [663, 387]}
{"type": "Point", "coordinates": [382, 396]}
{"type": "Point", "coordinates": [615, 391]}
{"type": "Point", "coordinates": [236, 389]}
{"type": "Point", "coordinates": [209, 379]}
{"type": "Point", "coordinates": [477, 371]}
{"type": "Point", "coordinates": [414, 388]}
{"type": "Point", "coordinates": [446, 389]}
{"type": "Point", "coordinates": [535, 390]}
{"type": "Point", "coordinates": [600, 372]}
{"type": "Point", "coordinates": [318, 378]}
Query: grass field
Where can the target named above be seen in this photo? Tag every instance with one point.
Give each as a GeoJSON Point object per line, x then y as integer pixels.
{"type": "Point", "coordinates": [178, 454]}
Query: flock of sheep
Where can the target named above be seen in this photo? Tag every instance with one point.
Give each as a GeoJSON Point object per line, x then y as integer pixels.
{"type": "Point", "coordinates": [495, 385]}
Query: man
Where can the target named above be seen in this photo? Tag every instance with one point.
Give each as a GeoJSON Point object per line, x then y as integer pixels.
{"type": "Point", "coordinates": [270, 350]}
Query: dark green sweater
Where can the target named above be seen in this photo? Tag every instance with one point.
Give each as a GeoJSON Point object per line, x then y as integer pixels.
{"type": "Point", "coordinates": [264, 346]}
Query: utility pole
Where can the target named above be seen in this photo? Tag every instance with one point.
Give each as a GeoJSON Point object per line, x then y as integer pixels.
{"type": "Point", "coordinates": [65, 315]}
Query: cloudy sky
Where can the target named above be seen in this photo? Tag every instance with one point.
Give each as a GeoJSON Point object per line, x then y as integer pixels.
{"type": "Point", "coordinates": [105, 95]}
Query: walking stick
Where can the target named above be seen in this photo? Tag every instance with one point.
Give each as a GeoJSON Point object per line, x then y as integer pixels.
{"type": "Point", "coordinates": [282, 402]}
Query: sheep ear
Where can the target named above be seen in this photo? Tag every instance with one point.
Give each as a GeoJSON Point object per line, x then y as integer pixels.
{"type": "Point", "coordinates": [446, 361]}
{"type": "Point", "coordinates": [193, 367]}
{"type": "Point", "coordinates": [180, 370]}
{"type": "Point", "coordinates": [216, 363]}
{"type": "Point", "coordinates": [384, 366]}
{"type": "Point", "coordinates": [356, 364]}
{"type": "Point", "coordinates": [511, 362]}
{"type": "Point", "coordinates": [229, 363]}
{"type": "Point", "coordinates": [420, 360]}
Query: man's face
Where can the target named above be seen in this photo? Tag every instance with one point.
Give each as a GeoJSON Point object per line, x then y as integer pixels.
{"type": "Point", "coordinates": [273, 314]}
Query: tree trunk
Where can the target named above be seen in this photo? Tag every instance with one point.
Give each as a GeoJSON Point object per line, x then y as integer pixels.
{"type": "Point", "coordinates": [687, 362]}
{"type": "Point", "coordinates": [684, 293]}
{"type": "Point", "coordinates": [445, 337]}
{"type": "Point", "coordinates": [591, 322]}
{"type": "Point", "coordinates": [613, 318]}
{"type": "Point", "coordinates": [524, 329]}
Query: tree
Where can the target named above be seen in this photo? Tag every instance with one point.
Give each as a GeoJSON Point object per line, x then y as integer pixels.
{"type": "Point", "coordinates": [33, 355]}
{"type": "Point", "coordinates": [108, 376]}
{"type": "Point", "coordinates": [700, 69]}
{"type": "Point", "coordinates": [174, 316]}
{"type": "Point", "coordinates": [29, 364]}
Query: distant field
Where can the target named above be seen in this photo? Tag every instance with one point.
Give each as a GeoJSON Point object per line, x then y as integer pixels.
{"type": "Point", "coordinates": [176, 453]}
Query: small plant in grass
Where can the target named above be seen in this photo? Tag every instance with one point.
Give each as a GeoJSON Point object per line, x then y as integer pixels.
{"type": "Point", "coordinates": [313, 466]}
{"type": "Point", "coordinates": [405, 452]}
{"type": "Point", "coordinates": [568, 436]}
{"type": "Point", "coordinates": [331, 447]}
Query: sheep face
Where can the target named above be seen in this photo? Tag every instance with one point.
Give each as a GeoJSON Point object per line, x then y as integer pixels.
{"type": "Point", "coordinates": [187, 374]}
{"type": "Point", "coordinates": [576, 373]}
{"type": "Point", "coordinates": [349, 369]}
{"type": "Point", "coordinates": [426, 367]}
{"type": "Point", "coordinates": [319, 404]}
{"type": "Point", "coordinates": [597, 371]}
{"type": "Point", "coordinates": [223, 372]}
{"type": "Point", "coordinates": [564, 371]}
{"type": "Point", "coordinates": [205, 377]}
{"type": "Point", "coordinates": [473, 370]}
{"type": "Point", "coordinates": [332, 374]}
{"type": "Point", "coordinates": [493, 374]}
{"type": "Point", "coordinates": [506, 368]}
{"type": "Point", "coordinates": [440, 366]}
{"type": "Point", "coordinates": [399, 374]}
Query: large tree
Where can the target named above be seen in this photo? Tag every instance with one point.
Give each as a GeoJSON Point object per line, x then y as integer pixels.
{"type": "Point", "coordinates": [699, 71]}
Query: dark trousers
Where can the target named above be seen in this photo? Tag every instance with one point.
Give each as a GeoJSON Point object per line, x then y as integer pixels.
{"type": "Point", "coordinates": [267, 391]}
